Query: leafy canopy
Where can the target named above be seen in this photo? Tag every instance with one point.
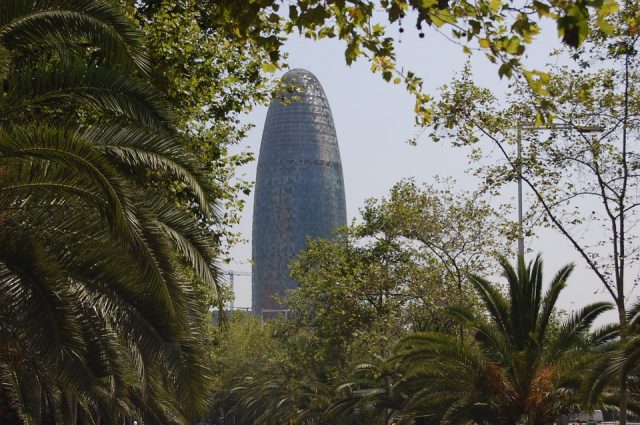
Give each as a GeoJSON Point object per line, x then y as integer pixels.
{"type": "Point", "coordinates": [501, 29]}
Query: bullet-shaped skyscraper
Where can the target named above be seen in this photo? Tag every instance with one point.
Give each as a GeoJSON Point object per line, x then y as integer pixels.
{"type": "Point", "coordinates": [299, 185]}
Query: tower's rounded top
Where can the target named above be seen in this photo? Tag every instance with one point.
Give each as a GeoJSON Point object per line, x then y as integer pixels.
{"type": "Point", "coordinates": [301, 78]}
{"type": "Point", "coordinates": [301, 87]}
{"type": "Point", "coordinates": [298, 72]}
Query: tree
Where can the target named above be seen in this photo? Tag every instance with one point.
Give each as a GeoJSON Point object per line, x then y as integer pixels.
{"type": "Point", "coordinates": [98, 318]}
{"type": "Point", "coordinates": [358, 293]}
{"type": "Point", "coordinates": [500, 29]}
{"type": "Point", "coordinates": [583, 172]}
{"type": "Point", "coordinates": [211, 78]}
{"type": "Point", "coordinates": [396, 270]}
{"type": "Point", "coordinates": [516, 370]}
{"type": "Point", "coordinates": [460, 230]}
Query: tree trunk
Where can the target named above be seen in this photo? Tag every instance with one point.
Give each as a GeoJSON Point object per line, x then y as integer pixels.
{"type": "Point", "coordinates": [622, 404]}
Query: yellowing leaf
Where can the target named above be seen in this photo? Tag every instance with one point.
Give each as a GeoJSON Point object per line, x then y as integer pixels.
{"type": "Point", "coordinates": [484, 43]}
{"type": "Point", "coordinates": [495, 5]}
{"type": "Point", "coordinates": [605, 26]}
{"type": "Point", "coordinates": [608, 7]}
{"type": "Point", "coordinates": [269, 67]}
{"type": "Point", "coordinates": [428, 3]}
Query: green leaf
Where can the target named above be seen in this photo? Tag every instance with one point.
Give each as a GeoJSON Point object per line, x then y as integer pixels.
{"type": "Point", "coordinates": [543, 9]}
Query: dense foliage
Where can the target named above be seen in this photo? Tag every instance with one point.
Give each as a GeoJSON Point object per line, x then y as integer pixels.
{"type": "Point", "coordinates": [99, 319]}
{"type": "Point", "coordinates": [502, 30]}
{"type": "Point", "coordinates": [516, 369]}
{"type": "Point", "coordinates": [211, 78]}
{"type": "Point", "coordinates": [360, 292]}
{"type": "Point", "coordinates": [117, 189]}
{"type": "Point", "coordinates": [517, 362]}
{"type": "Point", "coordinates": [396, 270]}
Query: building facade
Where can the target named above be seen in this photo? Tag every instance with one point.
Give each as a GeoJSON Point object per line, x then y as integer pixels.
{"type": "Point", "coordinates": [299, 190]}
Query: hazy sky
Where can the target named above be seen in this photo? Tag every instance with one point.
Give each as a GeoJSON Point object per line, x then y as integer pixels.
{"type": "Point", "coordinates": [374, 120]}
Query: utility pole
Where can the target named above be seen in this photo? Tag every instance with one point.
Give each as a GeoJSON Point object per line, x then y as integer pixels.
{"type": "Point", "coordinates": [232, 274]}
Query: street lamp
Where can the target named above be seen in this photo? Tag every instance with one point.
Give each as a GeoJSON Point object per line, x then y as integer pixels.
{"type": "Point", "coordinates": [582, 129]}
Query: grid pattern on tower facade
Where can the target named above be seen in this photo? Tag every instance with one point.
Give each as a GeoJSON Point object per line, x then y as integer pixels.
{"type": "Point", "coordinates": [299, 185]}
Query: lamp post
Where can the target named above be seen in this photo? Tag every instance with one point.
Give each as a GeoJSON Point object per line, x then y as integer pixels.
{"type": "Point", "coordinates": [564, 126]}
{"type": "Point", "coordinates": [520, 209]}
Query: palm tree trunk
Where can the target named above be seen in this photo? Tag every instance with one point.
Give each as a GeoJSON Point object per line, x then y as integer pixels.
{"type": "Point", "coordinates": [8, 414]}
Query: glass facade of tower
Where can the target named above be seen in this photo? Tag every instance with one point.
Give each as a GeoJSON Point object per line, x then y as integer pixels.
{"type": "Point", "coordinates": [299, 185]}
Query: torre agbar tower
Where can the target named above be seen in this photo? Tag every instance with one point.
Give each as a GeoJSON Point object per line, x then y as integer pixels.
{"type": "Point", "coordinates": [299, 185]}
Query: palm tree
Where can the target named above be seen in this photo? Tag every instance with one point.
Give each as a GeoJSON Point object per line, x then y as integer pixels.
{"type": "Point", "coordinates": [370, 397]}
{"type": "Point", "coordinates": [276, 395]}
{"type": "Point", "coordinates": [521, 367]}
{"type": "Point", "coordinates": [97, 313]}
{"type": "Point", "coordinates": [616, 358]}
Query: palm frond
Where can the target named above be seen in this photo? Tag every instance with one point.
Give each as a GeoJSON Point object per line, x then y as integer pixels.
{"type": "Point", "coordinates": [25, 25]}
{"type": "Point", "coordinates": [76, 85]}
{"type": "Point", "coordinates": [576, 327]}
{"type": "Point", "coordinates": [494, 302]}
{"type": "Point", "coordinates": [558, 283]}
